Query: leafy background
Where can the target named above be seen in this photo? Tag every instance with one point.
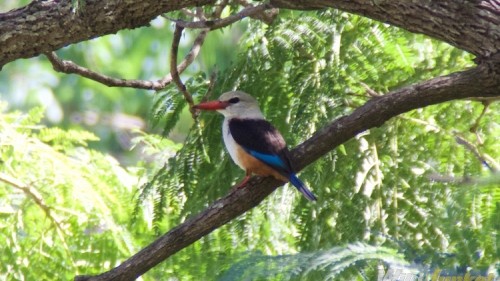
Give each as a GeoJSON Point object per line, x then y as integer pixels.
{"type": "Point", "coordinates": [87, 179]}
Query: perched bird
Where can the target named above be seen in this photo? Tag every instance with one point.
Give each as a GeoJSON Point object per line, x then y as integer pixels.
{"type": "Point", "coordinates": [253, 143]}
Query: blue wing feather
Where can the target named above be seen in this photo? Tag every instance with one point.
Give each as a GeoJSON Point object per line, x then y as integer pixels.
{"type": "Point", "coordinates": [276, 161]}
{"type": "Point", "coordinates": [271, 160]}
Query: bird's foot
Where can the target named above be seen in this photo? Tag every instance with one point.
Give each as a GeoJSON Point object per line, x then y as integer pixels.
{"type": "Point", "coordinates": [242, 184]}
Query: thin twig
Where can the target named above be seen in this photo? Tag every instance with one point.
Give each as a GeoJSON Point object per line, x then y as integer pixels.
{"type": "Point", "coordinates": [483, 158]}
{"type": "Point", "coordinates": [472, 148]}
{"type": "Point", "coordinates": [371, 92]}
{"type": "Point", "coordinates": [173, 69]}
{"type": "Point", "coordinates": [473, 128]}
{"type": "Point", "coordinates": [188, 59]}
{"type": "Point", "coordinates": [174, 74]}
{"type": "Point", "coordinates": [267, 16]}
{"type": "Point", "coordinates": [216, 24]}
{"type": "Point", "coordinates": [69, 67]}
{"type": "Point", "coordinates": [188, 13]}
{"type": "Point", "coordinates": [218, 9]}
{"type": "Point", "coordinates": [32, 193]}
{"type": "Point", "coordinates": [38, 199]}
{"type": "Point", "coordinates": [208, 94]}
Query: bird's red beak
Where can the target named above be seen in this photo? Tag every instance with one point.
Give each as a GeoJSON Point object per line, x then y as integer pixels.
{"type": "Point", "coordinates": [212, 105]}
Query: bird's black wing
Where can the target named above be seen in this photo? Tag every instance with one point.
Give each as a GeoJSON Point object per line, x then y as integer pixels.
{"type": "Point", "coordinates": [260, 139]}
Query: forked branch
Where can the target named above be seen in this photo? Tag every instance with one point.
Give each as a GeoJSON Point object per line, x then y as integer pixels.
{"type": "Point", "coordinates": [69, 67]}
{"type": "Point", "coordinates": [480, 81]}
{"type": "Point", "coordinates": [248, 11]}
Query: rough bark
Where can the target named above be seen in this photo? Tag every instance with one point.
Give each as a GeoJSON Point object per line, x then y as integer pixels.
{"type": "Point", "coordinates": [473, 26]}
{"type": "Point", "coordinates": [482, 81]}
{"type": "Point", "coordinates": [47, 25]}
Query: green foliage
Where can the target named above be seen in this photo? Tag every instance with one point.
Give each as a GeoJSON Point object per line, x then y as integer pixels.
{"type": "Point", "coordinates": [407, 194]}
{"type": "Point", "coordinates": [169, 103]}
{"type": "Point", "coordinates": [306, 70]}
{"type": "Point", "coordinates": [320, 265]}
{"type": "Point", "coordinates": [63, 206]}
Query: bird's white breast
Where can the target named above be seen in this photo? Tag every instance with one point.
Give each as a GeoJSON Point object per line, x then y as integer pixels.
{"type": "Point", "coordinates": [230, 143]}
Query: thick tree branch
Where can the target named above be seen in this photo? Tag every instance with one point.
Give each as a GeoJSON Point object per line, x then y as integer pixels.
{"type": "Point", "coordinates": [45, 26]}
{"type": "Point", "coordinates": [483, 80]}
{"type": "Point", "coordinates": [473, 26]}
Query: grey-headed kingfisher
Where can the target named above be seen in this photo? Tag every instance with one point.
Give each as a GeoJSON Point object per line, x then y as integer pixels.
{"type": "Point", "coordinates": [253, 143]}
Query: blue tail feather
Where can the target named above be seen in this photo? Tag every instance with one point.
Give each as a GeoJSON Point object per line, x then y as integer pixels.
{"type": "Point", "coordinates": [302, 187]}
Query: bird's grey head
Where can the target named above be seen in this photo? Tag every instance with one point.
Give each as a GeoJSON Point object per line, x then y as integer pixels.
{"type": "Point", "coordinates": [240, 105]}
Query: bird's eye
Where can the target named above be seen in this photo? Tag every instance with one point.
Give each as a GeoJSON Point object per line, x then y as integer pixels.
{"type": "Point", "coordinates": [234, 100]}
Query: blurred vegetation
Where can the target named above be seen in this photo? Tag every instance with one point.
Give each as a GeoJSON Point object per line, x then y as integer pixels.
{"type": "Point", "coordinates": [406, 195]}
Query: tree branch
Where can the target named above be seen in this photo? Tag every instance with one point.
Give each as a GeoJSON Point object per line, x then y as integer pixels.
{"type": "Point", "coordinates": [45, 26]}
{"type": "Point", "coordinates": [69, 67]}
{"type": "Point", "coordinates": [266, 17]}
{"type": "Point", "coordinates": [220, 23]}
{"type": "Point", "coordinates": [33, 194]}
{"type": "Point", "coordinates": [473, 26]}
{"type": "Point", "coordinates": [173, 69]}
{"type": "Point", "coordinates": [472, 148]}
{"type": "Point", "coordinates": [483, 80]}
{"type": "Point", "coordinates": [40, 202]}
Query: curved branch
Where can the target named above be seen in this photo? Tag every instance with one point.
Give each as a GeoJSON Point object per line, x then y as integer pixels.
{"type": "Point", "coordinates": [45, 26]}
{"type": "Point", "coordinates": [473, 26]}
{"type": "Point", "coordinates": [173, 69]}
{"type": "Point", "coordinates": [69, 67]}
{"type": "Point", "coordinates": [483, 80]}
